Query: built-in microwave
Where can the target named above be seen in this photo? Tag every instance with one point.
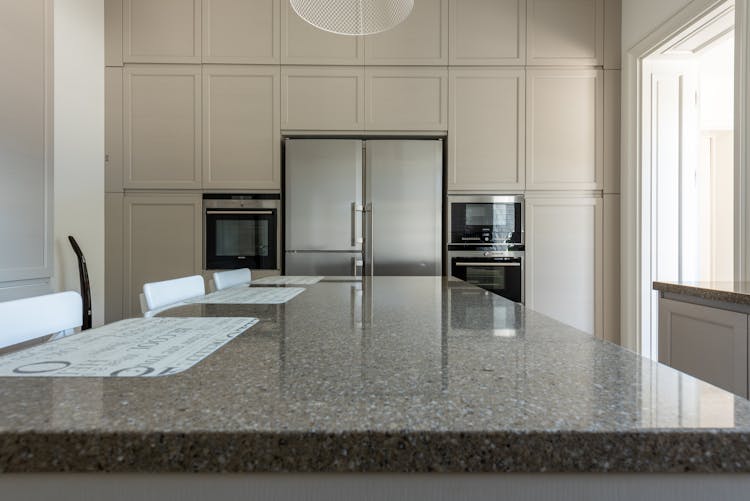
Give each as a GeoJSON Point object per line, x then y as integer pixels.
{"type": "Point", "coordinates": [484, 219]}
{"type": "Point", "coordinates": [241, 231]}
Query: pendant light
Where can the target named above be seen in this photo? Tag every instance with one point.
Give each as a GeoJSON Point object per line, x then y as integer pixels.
{"type": "Point", "coordinates": [353, 17]}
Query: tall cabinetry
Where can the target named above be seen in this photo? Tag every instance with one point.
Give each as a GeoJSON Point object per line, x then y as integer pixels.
{"type": "Point", "coordinates": [200, 93]}
{"type": "Point", "coordinates": [193, 105]}
{"type": "Point", "coordinates": [26, 149]}
{"type": "Point", "coordinates": [534, 109]}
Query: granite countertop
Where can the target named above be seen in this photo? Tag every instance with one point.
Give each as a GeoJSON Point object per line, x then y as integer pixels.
{"type": "Point", "coordinates": [396, 375]}
{"type": "Point", "coordinates": [726, 292]}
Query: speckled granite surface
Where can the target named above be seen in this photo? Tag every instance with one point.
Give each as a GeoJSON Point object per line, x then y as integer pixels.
{"type": "Point", "coordinates": [727, 292]}
{"type": "Point", "coordinates": [407, 375]}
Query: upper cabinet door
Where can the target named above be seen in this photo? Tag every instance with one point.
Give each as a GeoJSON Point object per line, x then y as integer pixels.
{"type": "Point", "coordinates": [488, 32]}
{"type": "Point", "coordinates": [241, 31]}
{"type": "Point", "coordinates": [564, 137]}
{"type": "Point", "coordinates": [422, 39]}
{"type": "Point", "coordinates": [406, 98]}
{"type": "Point", "coordinates": [241, 135]}
{"type": "Point", "coordinates": [322, 98]}
{"type": "Point", "coordinates": [302, 43]}
{"type": "Point", "coordinates": [486, 129]}
{"type": "Point", "coordinates": [565, 32]}
{"type": "Point", "coordinates": [162, 126]}
{"type": "Point", "coordinates": [163, 31]}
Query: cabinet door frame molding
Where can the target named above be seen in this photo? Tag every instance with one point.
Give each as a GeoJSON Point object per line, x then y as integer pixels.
{"type": "Point", "coordinates": [130, 57]}
{"type": "Point", "coordinates": [193, 71]}
{"type": "Point", "coordinates": [34, 279]}
{"type": "Point", "coordinates": [455, 161]}
{"type": "Point", "coordinates": [256, 71]}
{"type": "Point", "coordinates": [562, 201]}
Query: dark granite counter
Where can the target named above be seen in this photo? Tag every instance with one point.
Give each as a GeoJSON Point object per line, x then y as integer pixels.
{"type": "Point", "coordinates": [397, 375]}
{"type": "Point", "coordinates": [725, 292]}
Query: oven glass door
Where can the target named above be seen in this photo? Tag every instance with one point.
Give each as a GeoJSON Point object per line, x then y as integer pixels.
{"type": "Point", "coordinates": [502, 276]}
{"type": "Point", "coordinates": [241, 238]}
{"type": "Point", "coordinates": [474, 222]}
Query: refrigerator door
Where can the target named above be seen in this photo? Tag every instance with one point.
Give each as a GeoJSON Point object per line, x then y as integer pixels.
{"type": "Point", "coordinates": [404, 201]}
{"type": "Point", "coordinates": [323, 190]}
{"type": "Point", "coordinates": [329, 264]}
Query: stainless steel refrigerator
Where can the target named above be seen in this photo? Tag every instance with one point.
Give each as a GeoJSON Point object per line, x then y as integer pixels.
{"type": "Point", "coordinates": [355, 207]}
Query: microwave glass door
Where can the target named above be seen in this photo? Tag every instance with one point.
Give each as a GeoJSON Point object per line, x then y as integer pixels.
{"type": "Point", "coordinates": [240, 239]}
{"type": "Point", "coordinates": [500, 276]}
{"type": "Point", "coordinates": [474, 222]}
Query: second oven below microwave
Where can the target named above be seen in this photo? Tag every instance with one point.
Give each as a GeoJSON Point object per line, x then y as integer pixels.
{"type": "Point", "coordinates": [503, 276]}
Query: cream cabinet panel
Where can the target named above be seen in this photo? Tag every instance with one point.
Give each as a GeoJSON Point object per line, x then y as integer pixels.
{"type": "Point", "coordinates": [488, 32]}
{"type": "Point", "coordinates": [241, 131]}
{"type": "Point", "coordinates": [564, 134]}
{"type": "Point", "coordinates": [113, 137]}
{"type": "Point", "coordinates": [611, 264]}
{"type": "Point", "coordinates": [612, 131]}
{"type": "Point", "coordinates": [163, 240]}
{"type": "Point", "coordinates": [241, 31]}
{"type": "Point", "coordinates": [322, 98]}
{"type": "Point", "coordinates": [422, 39]}
{"type": "Point", "coordinates": [399, 98]}
{"type": "Point", "coordinates": [162, 31]}
{"type": "Point", "coordinates": [565, 32]}
{"type": "Point", "coordinates": [113, 32]}
{"type": "Point", "coordinates": [26, 149]}
{"type": "Point", "coordinates": [564, 260]}
{"type": "Point", "coordinates": [302, 43]}
{"type": "Point", "coordinates": [707, 343]}
{"type": "Point", "coordinates": [113, 257]}
{"type": "Point", "coordinates": [612, 34]}
{"type": "Point", "coordinates": [486, 129]}
{"type": "Point", "coordinates": [162, 125]}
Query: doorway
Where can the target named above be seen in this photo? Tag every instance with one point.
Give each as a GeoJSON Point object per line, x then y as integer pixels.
{"type": "Point", "coordinates": [687, 158]}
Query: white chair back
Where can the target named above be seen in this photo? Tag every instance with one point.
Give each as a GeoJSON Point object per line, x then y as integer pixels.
{"type": "Point", "coordinates": [231, 278]}
{"type": "Point", "coordinates": [26, 319]}
{"type": "Point", "coordinates": [162, 295]}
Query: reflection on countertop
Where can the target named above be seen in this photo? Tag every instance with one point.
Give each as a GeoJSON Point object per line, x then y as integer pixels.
{"type": "Point", "coordinates": [397, 374]}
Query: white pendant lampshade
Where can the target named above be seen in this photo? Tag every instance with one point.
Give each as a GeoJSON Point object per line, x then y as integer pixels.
{"type": "Point", "coordinates": [353, 17]}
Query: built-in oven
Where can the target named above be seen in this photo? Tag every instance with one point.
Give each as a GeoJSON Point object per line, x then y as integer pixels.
{"type": "Point", "coordinates": [500, 272]}
{"type": "Point", "coordinates": [241, 231]}
{"type": "Point", "coordinates": [486, 244]}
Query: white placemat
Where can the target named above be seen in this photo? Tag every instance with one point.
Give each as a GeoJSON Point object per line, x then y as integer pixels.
{"type": "Point", "coordinates": [249, 295]}
{"type": "Point", "coordinates": [139, 347]}
{"type": "Point", "coordinates": [288, 280]}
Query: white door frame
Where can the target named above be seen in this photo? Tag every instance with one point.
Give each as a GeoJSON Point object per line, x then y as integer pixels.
{"type": "Point", "coordinates": [633, 165]}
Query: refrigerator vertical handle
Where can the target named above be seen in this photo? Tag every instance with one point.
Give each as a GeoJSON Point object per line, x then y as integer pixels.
{"type": "Point", "coordinates": [369, 265]}
{"type": "Point", "coordinates": [355, 209]}
{"type": "Point", "coordinates": [356, 264]}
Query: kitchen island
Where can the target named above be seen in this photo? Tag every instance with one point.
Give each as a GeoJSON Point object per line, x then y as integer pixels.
{"type": "Point", "coordinates": [393, 375]}
{"type": "Point", "coordinates": [703, 331]}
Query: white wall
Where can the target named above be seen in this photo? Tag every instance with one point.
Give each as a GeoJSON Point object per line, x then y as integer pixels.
{"type": "Point", "coordinates": [79, 144]}
{"type": "Point", "coordinates": [716, 73]}
{"type": "Point", "coordinates": [641, 17]}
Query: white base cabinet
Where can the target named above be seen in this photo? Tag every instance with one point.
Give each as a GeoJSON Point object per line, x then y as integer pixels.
{"type": "Point", "coordinates": [564, 241]}
{"type": "Point", "coordinates": [708, 343]}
